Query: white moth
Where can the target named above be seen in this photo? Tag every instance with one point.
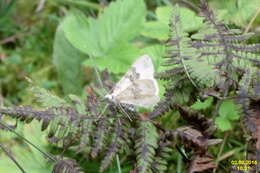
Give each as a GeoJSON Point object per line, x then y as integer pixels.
{"type": "Point", "coordinates": [138, 86]}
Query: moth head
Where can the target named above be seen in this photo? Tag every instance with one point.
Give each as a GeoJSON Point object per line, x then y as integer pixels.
{"type": "Point", "coordinates": [109, 97]}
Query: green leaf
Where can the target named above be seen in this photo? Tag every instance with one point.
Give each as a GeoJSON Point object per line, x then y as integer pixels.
{"type": "Point", "coordinates": [238, 12]}
{"type": "Point", "coordinates": [75, 27]}
{"type": "Point", "coordinates": [164, 13]}
{"type": "Point", "coordinates": [121, 21]}
{"type": "Point", "coordinates": [27, 156]}
{"type": "Point", "coordinates": [46, 98]}
{"type": "Point", "coordinates": [160, 29]}
{"type": "Point", "coordinates": [156, 52]}
{"type": "Point", "coordinates": [223, 123]}
{"type": "Point", "coordinates": [67, 61]}
{"type": "Point", "coordinates": [107, 37]}
{"type": "Point", "coordinates": [123, 56]}
{"type": "Point", "coordinates": [228, 109]}
{"type": "Point", "coordinates": [156, 30]}
{"type": "Point", "coordinates": [202, 105]}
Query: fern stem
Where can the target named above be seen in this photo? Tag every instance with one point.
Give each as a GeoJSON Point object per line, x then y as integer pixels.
{"type": "Point", "coordinates": [188, 75]}
{"type": "Point", "coordinates": [12, 158]}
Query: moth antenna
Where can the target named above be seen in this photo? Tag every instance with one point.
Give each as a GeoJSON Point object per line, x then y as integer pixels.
{"type": "Point", "coordinates": [103, 111]}
{"type": "Point", "coordinates": [122, 109]}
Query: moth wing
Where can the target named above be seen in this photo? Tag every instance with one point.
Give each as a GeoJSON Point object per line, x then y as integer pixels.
{"type": "Point", "coordinates": [141, 93]}
{"type": "Point", "coordinates": [123, 83]}
{"type": "Point", "coordinates": [142, 68]}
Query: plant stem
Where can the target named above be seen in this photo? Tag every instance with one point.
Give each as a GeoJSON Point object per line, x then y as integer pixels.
{"type": "Point", "coordinates": [221, 149]}
{"type": "Point", "coordinates": [252, 21]}
{"type": "Point", "coordinates": [118, 164]}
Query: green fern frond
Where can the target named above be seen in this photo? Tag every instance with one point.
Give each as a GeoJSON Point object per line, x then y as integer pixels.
{"type": "Point", "coordinates": [86, 129]}
{"type": "Point", "coordinates": [145, 146]}
{"type": "Point", "coordinates": [47, 99]}
{"type": "Point", "coordinates": [163, 154]}
{"type": "Point", "coordinates": [116, 144]}
{"type": "Point", "coordinates": [99, 138]}
{"type": "Point", "coordinates": [66, 165]}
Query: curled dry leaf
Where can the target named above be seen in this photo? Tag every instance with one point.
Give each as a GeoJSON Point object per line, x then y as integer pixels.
{"type": "Point", "coordinates": [201, 163]}
{"type": "Point", "coordinates": [194, 138]}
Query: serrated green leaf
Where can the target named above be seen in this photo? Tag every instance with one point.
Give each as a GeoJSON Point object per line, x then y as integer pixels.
{"type": "Point", "coordinates": [106, 39]}
{"type": "Point", "coordinates": [121, 21]}
{"type": "Point", "coordinates": [223, 123]}
{"type": "Point", "coordinates": [160, 29]}
{"type": "Point", "coordinates": [164, 13]}
{"type": "Point", "coordinates": [76, 30]}
{"type": "Point", "coordinates": [117, 61]}
{"type": "Point", "coordinates": [157, 53]}
{"type": "Point", "coordinates": [27, 156]}
{"type": "Point", "coordinates": [238, 12]}
{"type": "Point", "coordinates": [156, 30]}
{"type": "Point", "coordinates": [228, 109]}
{"type": "Point", "coordinates": [202, 105]}
{"type": "Point", "coordinates": [67, 61]}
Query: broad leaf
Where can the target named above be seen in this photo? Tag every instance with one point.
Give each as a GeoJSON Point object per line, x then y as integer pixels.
{"type": "Point", "coordinates": [229, 110]}
{"type": "Point", "coordinates": [160, 29]}
{"type": "Point", "coordinates": [202, 105]}
{"type": "Point", "coordinates": [27, 156]}
{"type": "Point", "coordinates": [105, 39]}
{"type": "Point", "coordinates": [223, 123]}
{"type": "Point", "coordinates": [119, 63]}
{"type": "Point", "coordinates": [67, 61]}
{"type": "Point", "coordinates": [75, 27]}
{"type": "Point", "coordinates": [238, 12]}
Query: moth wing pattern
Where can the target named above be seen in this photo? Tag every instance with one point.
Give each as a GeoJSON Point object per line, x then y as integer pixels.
{"type": "Point", "coordinates": [142, 68]}
{"type": "Point", "coordinates": [141, 93]}
{"type": "Point", "coordinates": [137, 86]}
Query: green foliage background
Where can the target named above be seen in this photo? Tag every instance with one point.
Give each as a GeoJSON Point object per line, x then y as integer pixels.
{"type": "Point", "coordinates": [58, 46]}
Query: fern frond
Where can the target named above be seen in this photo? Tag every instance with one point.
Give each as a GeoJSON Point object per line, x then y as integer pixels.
{"type": "Point", "coordinates": [160, 109]}
{"type": "Point", "coordinates": [47, 99]}
{"type": "Point", "coordinates": [116, 143]}
{"type": "Point", "coordinates": [99, 138]}
{"type": "Point", "coordinates": [66, 165]}
{"type": "Point", "coordinates": [86, 128]}
{"type": "Point", "coordinates": [196, 119]}
{"type": "Point", "coordinates": [145, 146]}
{"type": "Point", "coordinates": [163, 154]}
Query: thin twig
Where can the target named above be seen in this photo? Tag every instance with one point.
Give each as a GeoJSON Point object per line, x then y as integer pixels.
{"type": "Point", "coordinates": [221, 149]}
{"type": "Point", "coordinates": [252, 21]}
{"type": "Point", "coordinates": [40, 6]}
{"type": "Point", "coordinates": [13, 38]}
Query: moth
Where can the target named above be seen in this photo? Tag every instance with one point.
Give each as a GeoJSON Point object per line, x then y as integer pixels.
{"type": "Point", "coordinates": [138, 86]}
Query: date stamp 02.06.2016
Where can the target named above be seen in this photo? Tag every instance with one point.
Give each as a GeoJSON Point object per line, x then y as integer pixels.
{"type": "Point", "coordinates": [243, 165]}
